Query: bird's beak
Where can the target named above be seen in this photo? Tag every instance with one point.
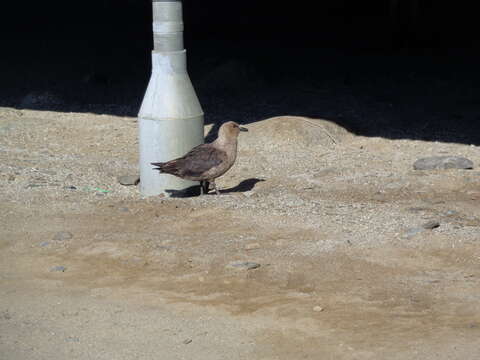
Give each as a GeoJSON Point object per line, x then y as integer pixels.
{"type": "Point", "coordinates": [243, 129]}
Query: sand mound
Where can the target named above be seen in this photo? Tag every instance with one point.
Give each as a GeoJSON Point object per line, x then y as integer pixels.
{"type": "Point", "coordinates": [294, 132]}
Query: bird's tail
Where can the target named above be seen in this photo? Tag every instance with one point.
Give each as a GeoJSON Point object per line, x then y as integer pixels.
{"type": "Point", "coordinates": [158, 166]}
{"type": "Point", "coordinates": [165, 167]}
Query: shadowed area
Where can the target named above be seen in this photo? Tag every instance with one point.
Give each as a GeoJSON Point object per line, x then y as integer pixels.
{"type": "Point", "coordinates": [185, 193]}
{"type": "Point", "coordinates": [243, 186]}
{"type": "Point", "coordinates": [386, 68]}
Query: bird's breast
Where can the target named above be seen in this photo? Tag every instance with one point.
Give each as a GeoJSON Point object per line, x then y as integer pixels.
{"type": "Point", "coordinates": [231, 154]}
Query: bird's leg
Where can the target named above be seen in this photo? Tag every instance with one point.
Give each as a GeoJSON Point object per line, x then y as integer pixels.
{"type": "Point", "coordinates": [204, 185]}
{"type": "Point", "coordinates": [215, 187]}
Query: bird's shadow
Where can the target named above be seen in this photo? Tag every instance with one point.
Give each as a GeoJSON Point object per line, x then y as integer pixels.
{"type": "Point", "coordinates": [245, 185]}
{"type": "Point", "coordinates": [192, 191]}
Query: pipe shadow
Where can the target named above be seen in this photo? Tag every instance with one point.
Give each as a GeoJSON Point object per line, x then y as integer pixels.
{"type": "Point", "coordinates": [189, 192]}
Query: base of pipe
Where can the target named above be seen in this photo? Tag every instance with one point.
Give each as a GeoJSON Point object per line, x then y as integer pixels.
{"type": "Point", "coordinates": [161, 141]}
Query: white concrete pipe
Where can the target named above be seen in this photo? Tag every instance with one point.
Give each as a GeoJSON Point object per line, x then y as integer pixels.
{"type": "Point", "coordinates": [170, 118]}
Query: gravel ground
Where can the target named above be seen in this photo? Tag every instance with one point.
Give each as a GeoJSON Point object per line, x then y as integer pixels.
{"type": "Point", "coordinates": [316, 247]}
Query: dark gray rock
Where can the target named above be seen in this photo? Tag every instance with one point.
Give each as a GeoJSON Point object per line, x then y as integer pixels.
{"type": "Point", "coordinates": [443, 162]}
{"type": "Point", "coordinates": [433, 224]}
{"type": "Point", "coordinates": [245, 265]}
{"type": "Point", "coordinates": [62, 236]}
{"type": "Point", "coordinates": [129, 180]}
{"type": "Point", "coordinates": [58, 269]}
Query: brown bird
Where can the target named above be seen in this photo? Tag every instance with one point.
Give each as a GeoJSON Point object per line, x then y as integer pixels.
{"type": "Point", "coordinates": [206, 162]}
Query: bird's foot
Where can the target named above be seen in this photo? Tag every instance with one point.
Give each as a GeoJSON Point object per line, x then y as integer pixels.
{"type": "Point", "coordinates": [215, 187]}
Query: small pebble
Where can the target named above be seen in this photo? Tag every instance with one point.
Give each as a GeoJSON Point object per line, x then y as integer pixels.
{"type": "Point", "coordinates": [412, 232]}
{"type": "Point", "coordinates": [245, 265]}
{"type": "Point", "coordinates": [433, 224]}
{"type": "Point", "coordinates": [72, 339]}
{"type": "Point", "coordinates": [58, 269]}
{"type": "Point", "coordinates": [32, 186]}
{"type": "Point", "coordinates": [418, 209]}
{"type": "Point", "coordinates": [318, 309]}
{"type": "Point", "coordinates": [128, 180]}
{"type": "Point", "coordinates": [253, 246]}
{"type": "Point", "coordinates": [62, 236]}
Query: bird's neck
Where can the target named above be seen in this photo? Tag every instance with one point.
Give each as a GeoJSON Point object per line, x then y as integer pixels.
{"type": "Point", "coordinates": [226, 143]}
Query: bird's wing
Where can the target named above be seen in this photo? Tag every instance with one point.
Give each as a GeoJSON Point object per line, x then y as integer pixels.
{"type": "Point", "coordinates": [201, 159]}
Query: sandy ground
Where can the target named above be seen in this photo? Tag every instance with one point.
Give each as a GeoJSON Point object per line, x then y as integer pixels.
{"type": "Point", "coordinates": [90, 270]}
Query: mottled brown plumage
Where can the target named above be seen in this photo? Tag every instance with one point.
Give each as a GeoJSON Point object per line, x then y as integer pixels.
{"type": "Point", "coordinates": [206, 162]}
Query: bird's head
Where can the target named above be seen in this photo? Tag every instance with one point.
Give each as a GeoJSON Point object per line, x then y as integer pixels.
{"type": "Point", "coordinates": [230, 130]}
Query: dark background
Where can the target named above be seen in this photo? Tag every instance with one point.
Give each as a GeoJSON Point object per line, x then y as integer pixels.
{"type": "Point", "coordinates": [398, 69]}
